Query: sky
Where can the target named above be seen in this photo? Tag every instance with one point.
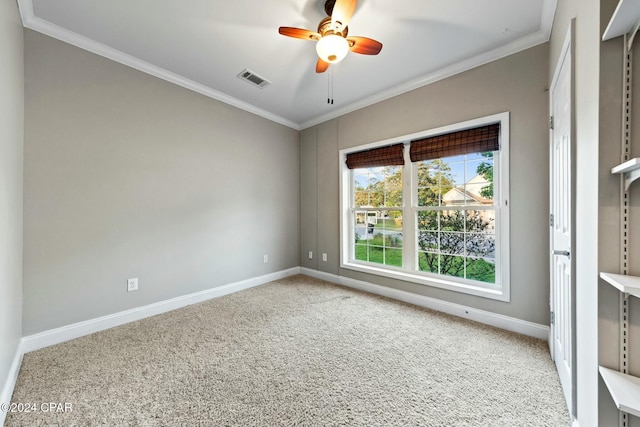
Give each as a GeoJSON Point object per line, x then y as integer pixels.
{"type": "Point", "coordinates": [462, 171]}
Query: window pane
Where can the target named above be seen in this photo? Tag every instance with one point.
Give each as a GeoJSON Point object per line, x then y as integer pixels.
{"type": "Point", "coordinates": [429, 241]}
{"type": "Point", "coordinates": [429, 196]}
{"type": "Point", "coordinates": [378, 236]}
{"type": "Point", "coordinates": [393, 197]}
{"type": "Point", "coordinates": [393, 240]}
{"type": "Point", "coordinates": [381, 254]}
{"type": "Point", "coordinates": [360, 224]}
{"type": "Point", "coordinates": [378, 187]}
{"type": "Point", "coordinates": [469, 181]}
{"type": "Point", "coordinates": [480, 245]}
{"type": "Point", "coordinates": [362, 252]}
{"type": "Point", "coordinates": [451, 265]}
{"type": "Point", "coordinates": [483, 221]}
{"type": "Point", "coordinates": [428, 220]}
{"type": "Point", "coordinates": [479, 192]}
{"type": "Point", "coordinates": [452, 243]}
{"type": "Point", "coordinates": [452, 220]}
{"type": "Point", "coordinates": [393, 257]}
{"type": "Point", "coordinates": [457, 243]}
{"type": "Point", "coordinates": [481, 269]}
{"type": "Point", "coordinates": [434, 180]}
{"type": "Point", "coordinates": [428, 262]}
{"type": "Point", "coordinates": [361, 188]}
{"type": "Point", "coordinates": [361, 198]}
{"type": "Point", "coordinates": [395, 221]}
{"type": "Point", "coordinates": [480, 177]}
{"type": "Point", "coordinates": [474, 156]}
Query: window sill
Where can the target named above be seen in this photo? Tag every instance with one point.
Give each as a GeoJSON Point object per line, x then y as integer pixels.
{"type": "Point", "coordinates": [450, 285]}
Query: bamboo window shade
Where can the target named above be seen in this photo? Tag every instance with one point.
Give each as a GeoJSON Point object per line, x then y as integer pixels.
{"type": "Point", "coordinates": [476, 140]}
{"type": "Point", "coordinates": [392, 155]}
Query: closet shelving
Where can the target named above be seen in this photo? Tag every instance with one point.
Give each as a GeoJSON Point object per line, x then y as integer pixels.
{"type": "Point", "coordinates": [627, 284]}
{"type": "Point", "coordinates": [630, 170]}
{"type": "Point", "coordinates": [624, 20]}
{"type": "Point", "coordinates": [624, 388]}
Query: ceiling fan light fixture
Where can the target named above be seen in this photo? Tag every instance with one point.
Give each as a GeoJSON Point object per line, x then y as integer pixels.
{"type": "Point", "coordinates": [332, 48]}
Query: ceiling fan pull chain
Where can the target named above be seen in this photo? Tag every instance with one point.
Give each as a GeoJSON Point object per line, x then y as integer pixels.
{"type": "Point", "coordinates": [330, 87]}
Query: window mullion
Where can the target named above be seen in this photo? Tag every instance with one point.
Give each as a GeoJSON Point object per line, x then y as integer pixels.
{"type": "Point", "coordinates": [409, 219]}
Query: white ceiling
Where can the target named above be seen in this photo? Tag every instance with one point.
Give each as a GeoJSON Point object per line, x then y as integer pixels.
{"type": "Point", "coordinates": [203, 45]}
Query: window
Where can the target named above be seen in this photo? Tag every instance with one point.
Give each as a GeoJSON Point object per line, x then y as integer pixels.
{"type": "Point", "coordinates": [435, 212]}
{"type": "Point", "coordinates": [378, 215]}
{"type": "Point", "coordinates": [456, 216]}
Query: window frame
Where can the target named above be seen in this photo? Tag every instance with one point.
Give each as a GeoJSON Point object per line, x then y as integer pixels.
{"type": "Point", "coordinates": [498, 291]}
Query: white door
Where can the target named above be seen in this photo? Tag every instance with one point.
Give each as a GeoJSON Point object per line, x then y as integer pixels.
{"type": "Point", "coordinates": [562, 228]}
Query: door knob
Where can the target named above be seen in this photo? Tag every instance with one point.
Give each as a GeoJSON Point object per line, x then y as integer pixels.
{"type": "Point", "coordinates": [563, 253]}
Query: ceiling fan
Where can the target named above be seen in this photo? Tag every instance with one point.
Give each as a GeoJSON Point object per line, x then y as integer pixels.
{"type": "Point", "coordinates": [332, 41]}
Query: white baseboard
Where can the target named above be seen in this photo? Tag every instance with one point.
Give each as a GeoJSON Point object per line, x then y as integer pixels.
{"type": "Point", "coordinates": [12, 377]}
{"type": "Point", "coordinates": [77, 330]}
{"type": "Point", "coordinates": [498, 320]}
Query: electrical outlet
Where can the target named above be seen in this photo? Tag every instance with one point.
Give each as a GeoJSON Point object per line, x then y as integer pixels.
{"type": "Point", "coordinates": [266, 259]}
{"type": "Point", "coordinates": [132, 284]}
{"type": "Point", "coordinates": [310, 254]}
{"type": "Point", "coordinates": [324, 257]}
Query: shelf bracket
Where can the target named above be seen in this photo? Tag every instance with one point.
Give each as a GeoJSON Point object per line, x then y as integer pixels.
{"type": "Point", "coordinates": [629, 178]}
{"type": "Point", "coordinates": [631, 36]}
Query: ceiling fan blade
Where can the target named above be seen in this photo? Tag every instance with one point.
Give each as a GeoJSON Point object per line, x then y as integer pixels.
{"type": "Point", "coordinates": [342, 13]}
{"type": "Point", "coordinates": [321, 66]}
{"type": "Point", "coordinates": [299, 33]}
{"type": "Point", "coordinates": [364, 45]}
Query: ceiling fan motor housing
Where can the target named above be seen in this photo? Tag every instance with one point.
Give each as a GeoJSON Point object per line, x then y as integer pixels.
{"type": "Point", "coordinates": [324, 28]}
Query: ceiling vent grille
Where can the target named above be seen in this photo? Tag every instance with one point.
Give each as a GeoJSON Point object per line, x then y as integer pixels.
{"type": "Point", "coordinates": [251, 77]}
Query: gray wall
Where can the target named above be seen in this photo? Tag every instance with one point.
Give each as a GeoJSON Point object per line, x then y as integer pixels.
{"type": "Point", "coordinates": [11, 146]}
{"type": "Point", "coordinates": [309, 195]}
{"type": "Point", "coordinates": [130, 176]}
{"type": "Point", "coordinates": [516, 84]}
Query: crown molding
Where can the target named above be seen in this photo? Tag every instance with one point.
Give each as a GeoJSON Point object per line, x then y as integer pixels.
{"type": "Point", "coordinates": [548, 15]}
{"type": "Point", "coordinates": [29, 20]}
{"type": "Point", "coordinates": [516, 46]}
{"type": "Point", "coordinates": [532, 40]}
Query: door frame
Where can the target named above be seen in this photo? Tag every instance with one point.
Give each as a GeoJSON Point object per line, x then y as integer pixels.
{"type": "Point", "coordinates": [568, 49]}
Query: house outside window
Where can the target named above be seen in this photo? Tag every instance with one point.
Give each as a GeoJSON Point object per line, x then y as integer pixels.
{"type": "Point", "coordinates": [457, 217]}
{"type": "Point", "coordinates": [438, 220]}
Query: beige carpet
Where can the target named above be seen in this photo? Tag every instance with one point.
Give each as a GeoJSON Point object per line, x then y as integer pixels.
{"type": "Point", "coordinates": [295, 352]}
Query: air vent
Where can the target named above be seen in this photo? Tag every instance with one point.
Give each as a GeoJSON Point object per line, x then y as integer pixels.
{"type": "Point", "coordinates": [253, 78]}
